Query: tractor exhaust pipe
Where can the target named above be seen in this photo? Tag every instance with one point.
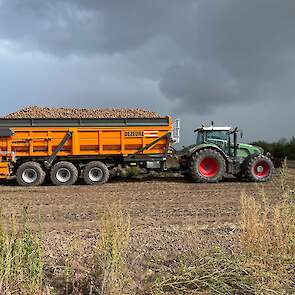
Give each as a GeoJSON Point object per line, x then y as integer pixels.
{"type": "Point", "coordinates": [235, 142]}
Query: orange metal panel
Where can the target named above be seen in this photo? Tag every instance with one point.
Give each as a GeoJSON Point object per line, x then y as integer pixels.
{"type": "Point", "coordinates": [41, 141]}
{"type": "Point", "coordinates": [4, 169]}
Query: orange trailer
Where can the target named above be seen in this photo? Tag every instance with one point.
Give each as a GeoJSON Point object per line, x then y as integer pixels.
{"type": "Point", "coordinates": [68, 148]}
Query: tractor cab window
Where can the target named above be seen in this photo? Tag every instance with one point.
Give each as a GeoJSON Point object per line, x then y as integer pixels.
{"type": "Point", "coordinates": [220, 138]}
{"type": "Point", "coordinates": [217, 135]}
{"type": "Point", "coordinates": [201, 137]}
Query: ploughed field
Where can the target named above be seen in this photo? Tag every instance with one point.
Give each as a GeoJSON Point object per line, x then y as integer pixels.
{"type": "Point", "coordinates": [166, 204]}
{"type": "Point", "coordinates": [165, 214]}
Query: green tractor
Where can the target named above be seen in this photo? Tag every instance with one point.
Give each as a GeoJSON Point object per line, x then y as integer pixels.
{"type": "Point", "coordinates": [217, 153]}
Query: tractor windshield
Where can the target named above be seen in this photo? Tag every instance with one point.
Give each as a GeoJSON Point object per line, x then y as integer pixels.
{"type": "Point", "coordinates": [217, 135]}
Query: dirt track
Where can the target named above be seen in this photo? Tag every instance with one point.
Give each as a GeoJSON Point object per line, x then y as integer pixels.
{"type": "Point", "coordinates": [165, 213]}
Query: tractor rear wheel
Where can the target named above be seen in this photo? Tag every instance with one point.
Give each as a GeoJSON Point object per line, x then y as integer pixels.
{"type": "Point", "coordinates": [260, 169]}
{"type": "Point", "coordinates": [207, 166]}
{"type": "Point", "coordinates": [64, 173]}
{"type": "Point", "coordinates": [30, 174]}
{"type": "Point", "coordinates": [96, 173]}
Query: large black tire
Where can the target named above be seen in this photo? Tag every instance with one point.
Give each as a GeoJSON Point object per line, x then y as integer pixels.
{"type": "Point", "coordinates": [96, 173]}
{"type": "Point", "coordinates": [260, 169]}
{"type": "Point", "coordinates": [64, 173]}
{"type": "Point", "coordinates": [30, 174]}
{"type": "Point", "coordinates": [207, 166]}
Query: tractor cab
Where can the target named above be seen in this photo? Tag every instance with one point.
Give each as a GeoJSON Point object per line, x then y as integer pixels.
{"type": "Point", "coordinates": [223, 137]}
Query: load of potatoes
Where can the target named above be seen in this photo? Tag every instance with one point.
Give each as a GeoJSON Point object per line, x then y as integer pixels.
{"type": "Point", "coordinates": [35, 112]}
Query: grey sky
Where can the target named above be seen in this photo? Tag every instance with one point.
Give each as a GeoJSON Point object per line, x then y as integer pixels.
{"type": "Point", "coordinates": [231, 61]}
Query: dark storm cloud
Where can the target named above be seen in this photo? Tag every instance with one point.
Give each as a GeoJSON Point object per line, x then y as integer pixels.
{"type": "Point", "coordinates": [86, 26]}
{"type": "Point", "coordinates": [199, 88]}
{"type": "Point", "coordinates": [239, 52]}
{"type": "Point", "coordinates": [202, 54]}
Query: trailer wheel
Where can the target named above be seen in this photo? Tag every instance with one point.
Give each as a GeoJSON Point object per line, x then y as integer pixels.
{"type": "Point", "coordinates": [64, 173]}
{"type": "Point", "coordinates": [260, 169]}
{"type": "Point", "coordinates": [30, 174]}
{"type": "Point", "coordinates": [96, 173]}
{"type": "Point", "coordinates": [207, 166]}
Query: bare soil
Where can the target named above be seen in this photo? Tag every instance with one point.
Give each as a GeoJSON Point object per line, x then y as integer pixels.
{"type": "Point", "coordinates": [166, 213]}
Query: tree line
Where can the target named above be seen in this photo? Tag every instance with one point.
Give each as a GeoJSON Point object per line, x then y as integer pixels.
{"type": "Point", "coordinates": [279, 149]}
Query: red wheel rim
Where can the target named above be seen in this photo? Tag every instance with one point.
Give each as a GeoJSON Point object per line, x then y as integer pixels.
{"type": "Point", "coordinates": [261, 169]}
{"type": "Point", "coordinates": [209, 167]}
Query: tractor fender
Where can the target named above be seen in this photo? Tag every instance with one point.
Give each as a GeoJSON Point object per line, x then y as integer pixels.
{"type": "Point", "coordinates": [207, 146]}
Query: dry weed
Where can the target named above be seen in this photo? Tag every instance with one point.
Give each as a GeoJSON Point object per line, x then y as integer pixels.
{"type": "Point", "coordinates": [111, 251]}
{"type": "Point", "coordinates": [21, 258]}
{"type": "Point", "coordinates": [262, 263]}
{"type": "Point", "coordinates": [267, 236]}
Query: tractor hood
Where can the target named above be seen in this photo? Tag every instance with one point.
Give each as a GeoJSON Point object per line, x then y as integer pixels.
{"type": "Point", "coordinates": [251, 149]}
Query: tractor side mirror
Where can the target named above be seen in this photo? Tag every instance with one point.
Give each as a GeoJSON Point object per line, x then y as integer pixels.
{"type": "Point", "coordinates": [241, 134]}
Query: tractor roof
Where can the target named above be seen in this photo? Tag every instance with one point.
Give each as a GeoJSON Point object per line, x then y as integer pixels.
{"type": "Point", "coordinates": [213, 128]}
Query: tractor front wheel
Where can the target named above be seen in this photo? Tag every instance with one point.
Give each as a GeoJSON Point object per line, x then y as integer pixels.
{"type": "Point", "coordinates": [260, 169]}
{"type": "Point", "coordinates": [207, 166]}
